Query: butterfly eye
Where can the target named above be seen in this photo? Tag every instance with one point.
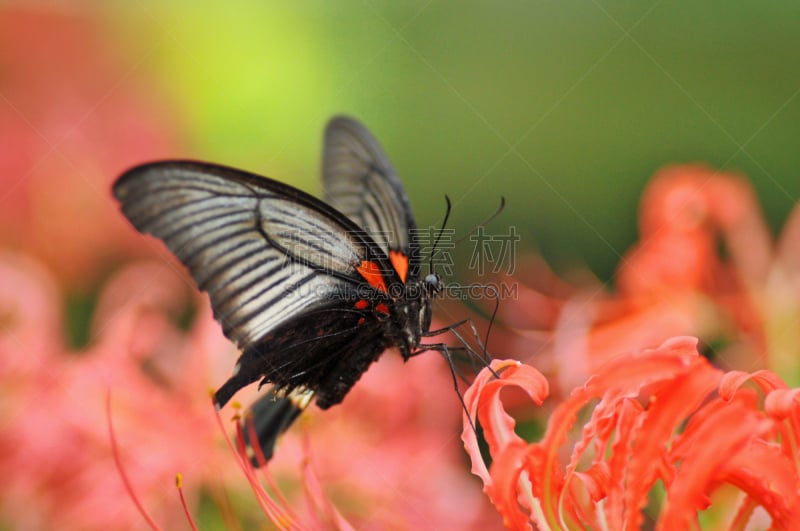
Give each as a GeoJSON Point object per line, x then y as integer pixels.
{"type": "Point", "coordinates": [433, 283]}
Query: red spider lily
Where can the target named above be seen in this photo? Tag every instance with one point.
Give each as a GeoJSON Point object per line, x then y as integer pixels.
{"type": "Point", "coordinates": [54, 444]}
{"type": "Point", "coordinates": [322, 513]}
{"type": "Point", "coordinates": [660, 422]}
{"type": "Point", "coordinates": [674, 281]}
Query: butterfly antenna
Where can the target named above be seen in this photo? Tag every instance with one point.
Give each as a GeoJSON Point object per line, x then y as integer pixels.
{"type": "Point", "coordinates": [441, 231]}
{"type": "Point", "coordinates": [485, 221]}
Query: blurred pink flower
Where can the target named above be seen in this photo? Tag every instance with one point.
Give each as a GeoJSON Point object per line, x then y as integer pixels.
{"type": "Point", "coordinates": [54, 442]}
{"type": "Point", "coordinates": [71, 119]}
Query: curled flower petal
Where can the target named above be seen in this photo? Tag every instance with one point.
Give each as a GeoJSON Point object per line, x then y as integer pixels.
{"type": "Point", "coordinates": [782, 403]}
{"type": "Point", "coordinates": [628, 426]}
{"type": "Point", "coordinates": [668, 409]}
{"type": "Point", "coordinates": [507, 467]}
{"type": "Point", "coordinates": [483, 403]}
{"type": "Point", "coordinates": [675, 356]}
{"type": "Point", "coordinates": [732, 381]}
{"type": "Point", "coordinates": [777, 491]}
{"type": "Point", "coordinates": [727, 433]}
{"type": "Point", "coordinates": [655, 416]}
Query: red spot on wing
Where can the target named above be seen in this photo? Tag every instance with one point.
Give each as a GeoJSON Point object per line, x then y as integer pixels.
{"type": "Point", "coordinates": [382, 308]}
{"type": "Point", "coordinates": [372, 274]}
{"type": "Point", "coordinates": [361, 304]}
{"type": "Point", "coordinates": [400, 264]}
{"type": "Point", "coordinates": [361, 321]}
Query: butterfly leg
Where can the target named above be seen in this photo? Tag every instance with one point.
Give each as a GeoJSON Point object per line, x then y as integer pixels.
{"type": "Point", "coordinates": [453, 329]}
{"type": "Point", "coordinates": [446, 351]}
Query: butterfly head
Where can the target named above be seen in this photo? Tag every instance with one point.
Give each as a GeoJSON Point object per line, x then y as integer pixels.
{"type": "Point", "coordinates": [433, 284]}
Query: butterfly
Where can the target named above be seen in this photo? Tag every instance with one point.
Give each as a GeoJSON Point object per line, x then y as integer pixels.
{"type": "Point", "coordinates": [311, 292]}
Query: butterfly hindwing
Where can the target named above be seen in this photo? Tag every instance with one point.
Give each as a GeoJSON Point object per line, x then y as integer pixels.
{"type": "Point", "coordinates": [323, 350]}
{"type": "Point", "coordinates": [360, 182]}
{"type": "Point", "coordinates": [268, 418]}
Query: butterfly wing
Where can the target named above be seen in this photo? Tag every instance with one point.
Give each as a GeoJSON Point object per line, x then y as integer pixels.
{"type": "Point", "coordinates": [281, 267]}
{"type": "Point", "coordinates": [264, 251]}
{"type": "Point", "coordinates": [361, 183]}
{"type": "Point", "coordinates": [267, 419]}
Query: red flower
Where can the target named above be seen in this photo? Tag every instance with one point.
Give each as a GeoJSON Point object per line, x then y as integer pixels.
{"type": "Point", "coordinates": [656, 421]}
{"type": "Point", "coordinates": [743, 303]}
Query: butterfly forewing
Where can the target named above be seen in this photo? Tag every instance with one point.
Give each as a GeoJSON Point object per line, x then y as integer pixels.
{"type": "Point", "coordinates": [361, 183]}
{"type": "Point", "coordinates": [264, 251]}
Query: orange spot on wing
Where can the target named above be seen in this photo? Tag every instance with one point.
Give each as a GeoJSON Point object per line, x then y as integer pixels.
{"type": "Point", "coordinates": [400, 263]}
{"type": "Point", "coordinates": [361, 304]}
{"type": "Point", "coordinates": [382, 308]}
{"type": "Point", "coordinates": [372, 274]}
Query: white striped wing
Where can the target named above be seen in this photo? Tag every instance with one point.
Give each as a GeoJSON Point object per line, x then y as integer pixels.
{"type": "Point", "coordinates": [265, 252]}
{"type": "Point", "coordinates": [361, 183]}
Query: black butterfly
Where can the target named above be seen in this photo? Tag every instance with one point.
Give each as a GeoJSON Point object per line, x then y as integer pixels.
{"type": "Point", "coordinates": [311, 292]}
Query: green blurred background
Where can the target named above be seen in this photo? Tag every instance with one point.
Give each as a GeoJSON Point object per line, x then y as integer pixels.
{"type": "Point", "coordinates": [567, 108]}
